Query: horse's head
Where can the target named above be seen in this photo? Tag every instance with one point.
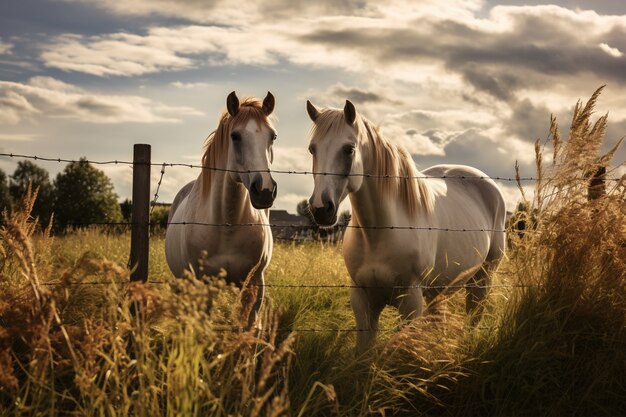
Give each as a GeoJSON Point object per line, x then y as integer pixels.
{"type": "Point", "coordinates": [250, 154]}
{"type": "Point", "coordinates": [337, 159]}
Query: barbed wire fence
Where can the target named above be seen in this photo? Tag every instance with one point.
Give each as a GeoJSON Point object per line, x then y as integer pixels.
{"type": "Point", "coordinates": [143, 207]}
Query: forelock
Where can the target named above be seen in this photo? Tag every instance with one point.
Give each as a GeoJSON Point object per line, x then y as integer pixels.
{"type": "Point", "coordinates": [330, 122]}
{"type": "Point", "coordinates": [250, 109]}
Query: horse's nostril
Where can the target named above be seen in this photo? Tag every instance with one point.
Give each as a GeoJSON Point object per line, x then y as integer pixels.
{"type": "Point", "coordinates": [329, 206]}
{"type": "Point", "coordinates": [255, 187]}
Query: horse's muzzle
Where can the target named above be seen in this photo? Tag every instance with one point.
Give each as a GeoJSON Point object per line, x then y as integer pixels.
{"type": "Point", "coordinates": [325, 215]}
{"type": "Point", "coordinates": [262, 198]}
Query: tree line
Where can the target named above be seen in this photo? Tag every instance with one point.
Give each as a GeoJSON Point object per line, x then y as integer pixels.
{"type": "Point", "coordinates": [82, 195]}
{"type": "Point", "coordinates": [79, 195]}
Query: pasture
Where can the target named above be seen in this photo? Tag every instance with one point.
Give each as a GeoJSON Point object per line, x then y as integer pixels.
{"type": "Point", "coordinates": [76, 338]}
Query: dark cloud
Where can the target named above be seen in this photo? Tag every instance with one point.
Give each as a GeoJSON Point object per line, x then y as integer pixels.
{"type": "Point", "coordinates": [497, 84]}
{"type": "Point", "coordinates": [420, 118]}
{"type": "Point", "coordinates": [358, 95]}
{"type": "Point", "coordinates": [425, 121]}
{"type": "Point", "coordinates": [287, 8]}
{"type": "Point", "coordinates": [529, 53]}
{"type": "Point", "coordinates": [610, 7]}
{"type": "Point", "coordinates": [74, 16]}
{"type": "Point", "coordinates": [96, 106]}
{"type": "Point", "coordinates": [47, 96]}
{"type": "Point", "coordinates": [437, 136]}
{"type": "Point", "coordinates": [528, 122]}
{"type": "Point", "coordinates": [614, 132]}
{"type": "Point", "coordinates": [475, 149]}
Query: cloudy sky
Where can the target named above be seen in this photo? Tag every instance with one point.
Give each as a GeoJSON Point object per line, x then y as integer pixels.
{"type": "Point", "coordinates": [457, 81]}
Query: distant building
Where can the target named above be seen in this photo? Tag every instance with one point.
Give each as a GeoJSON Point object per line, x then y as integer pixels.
{"type": "Point", "coordinates": [288, 226]}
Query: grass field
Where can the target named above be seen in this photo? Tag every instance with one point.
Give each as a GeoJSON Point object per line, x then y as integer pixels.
{"type": "Point", "coordinates": [76, 338]}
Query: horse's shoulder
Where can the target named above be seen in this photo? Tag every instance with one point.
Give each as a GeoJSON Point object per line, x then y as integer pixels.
{"type": "Point", "coordinates": [180, 196]}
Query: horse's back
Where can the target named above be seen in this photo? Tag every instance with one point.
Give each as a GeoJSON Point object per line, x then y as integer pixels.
{"type": "Point", "coordinates": [180, 196]}
{"type": "Point", "coordinates": [472, 201]}
{"type": "Point", "coordinates": [472, 184]}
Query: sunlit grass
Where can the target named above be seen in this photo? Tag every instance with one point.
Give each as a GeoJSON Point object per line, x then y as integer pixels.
{"type": "Point", "coordinates": [77, 338]}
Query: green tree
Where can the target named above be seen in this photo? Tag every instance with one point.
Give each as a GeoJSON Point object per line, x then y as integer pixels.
{"type": "Point", "coordinates": [158, 217]}
{"type": "Point", "coordinates": [5, 196]}
{"type": "Point", "coordinates": [126, 206]}
{"type": "Point", "coordinates": [85, 195]}
{"type": "Point", "coordinates": [29, 172]}
{"type": "Point", "coordinates": [344, 218]}
{"type": "Point", "coordinates": [303, 209]}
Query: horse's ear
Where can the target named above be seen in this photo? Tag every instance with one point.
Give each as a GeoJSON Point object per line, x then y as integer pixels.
{"type": "Point", "coordinates": [232, 104]}
{"type": "Point", "coordinates": [349, 112]}
{"type": "Point", "coordinates": [268, 104]}
{"type": "Point", "coordinates": [313, 112]}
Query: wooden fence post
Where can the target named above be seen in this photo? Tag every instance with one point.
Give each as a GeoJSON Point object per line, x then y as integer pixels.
{"type": "Point", "coordinates": [140, 216]}
{"type": "Point", "coordinates": [597, 185]}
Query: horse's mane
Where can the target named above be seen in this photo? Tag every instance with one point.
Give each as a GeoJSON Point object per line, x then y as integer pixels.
{"type": "Point", "coordinates": [388, 159]}
{"type": "Point", "coordinates": [217, 143]}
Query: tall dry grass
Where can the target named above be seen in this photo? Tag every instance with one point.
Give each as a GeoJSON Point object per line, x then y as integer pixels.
{"type": "Point", "coordinates": [140, 350]}
{"type": "Point", "coordinates": [553, 345]}
{"type": "Point", "coordinates": [561, 345]}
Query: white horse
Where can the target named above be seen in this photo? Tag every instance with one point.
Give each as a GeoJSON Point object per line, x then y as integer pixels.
{"type": "Point", "coordinates": [397, 266]}
{"type": "Point", "coordinates": [235, 187]}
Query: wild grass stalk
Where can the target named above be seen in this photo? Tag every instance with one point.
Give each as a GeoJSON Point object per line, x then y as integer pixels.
{"type": "Point", "coordinates": [177, 348]}
{"type": "Point", "coordinates": [76, 338]}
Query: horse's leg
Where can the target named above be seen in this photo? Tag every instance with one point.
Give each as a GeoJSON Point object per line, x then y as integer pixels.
{"type": "Point", "coordinates": [254, 315]}
{"type": "Point", "coordinates": [255, 289]}
{"type": "Point", "coordinates": [478, 285]}
{"type": "Point", "coordinates": [410, 304]}
{"type": "Point", "coordinates": [366, 316]}
{"type": "Point", "coordinates": [476, 292]}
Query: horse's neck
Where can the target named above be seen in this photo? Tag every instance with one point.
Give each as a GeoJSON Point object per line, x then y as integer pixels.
{"type": "Point", "coordinates": [369, 206]}
{"type": "Point", "coordinates": [372, 207]}
{"type": "Point", "coordinates": [225, 202]}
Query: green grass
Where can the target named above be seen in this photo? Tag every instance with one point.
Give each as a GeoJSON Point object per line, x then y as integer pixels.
{"type": "Point", "coordinates": [77, 338]}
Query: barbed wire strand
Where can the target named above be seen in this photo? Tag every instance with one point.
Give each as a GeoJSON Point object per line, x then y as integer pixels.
{"type": "Point", "coordinates": [298, 172]}
{"type": "Point", "coordinates": [156, 193]}
{"type": "Point", "coordinates": [295, 172]}
{"type": "Point", "coordinates": [325, 286]}
{"type": "Point", "coordinates": [294, 225]}
{"type": "Point", "coordinates": [233, 328]}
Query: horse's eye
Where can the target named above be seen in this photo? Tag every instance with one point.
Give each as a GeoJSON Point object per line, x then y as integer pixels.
{"type": "Point", "coordinates": [348, 149]}
{"type": "Point", "coordinates": [235, 136]}
{"type": "Point", "coordinates": [274, 137]}
{"type": "Point", "coordinates": [312, 149]}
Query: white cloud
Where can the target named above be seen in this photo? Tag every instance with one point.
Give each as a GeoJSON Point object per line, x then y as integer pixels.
{"type": "Point", "coordinates": [173, 180]}
{"type": "Point", "coordinates": [18, 137]}
{"type": "Point", "coordinates": [13, 106]}
{"type": "Point", "coordinates": [426, 41]}
{"type": "Point", "coordinates": [291, 159]}
{"type": "Point", "coordinates": [5, 47]}
{"type": "Point", "coordinates": [222, 11]}
{"type": "Point", "coordinates": [46, 96]}
{"type": "Point", "coordinates": [215, 11]}
{"type": "Point", "coordinates": [444, 79]}
{"type": "Point", "coordinates": [164, 49]}
{"type": "Point", "coordinates": [115, 54]}
{"type": "Point", "coordinates": [614, 52]}
{"type": "Point", "coordinates": [288, 201]}
{"type": "Point", "coordinates": [512, 194]}
{"type": "Point", "coordinates": [413, 141]}
{"type": "Point", "coordinates": [189, 86]}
